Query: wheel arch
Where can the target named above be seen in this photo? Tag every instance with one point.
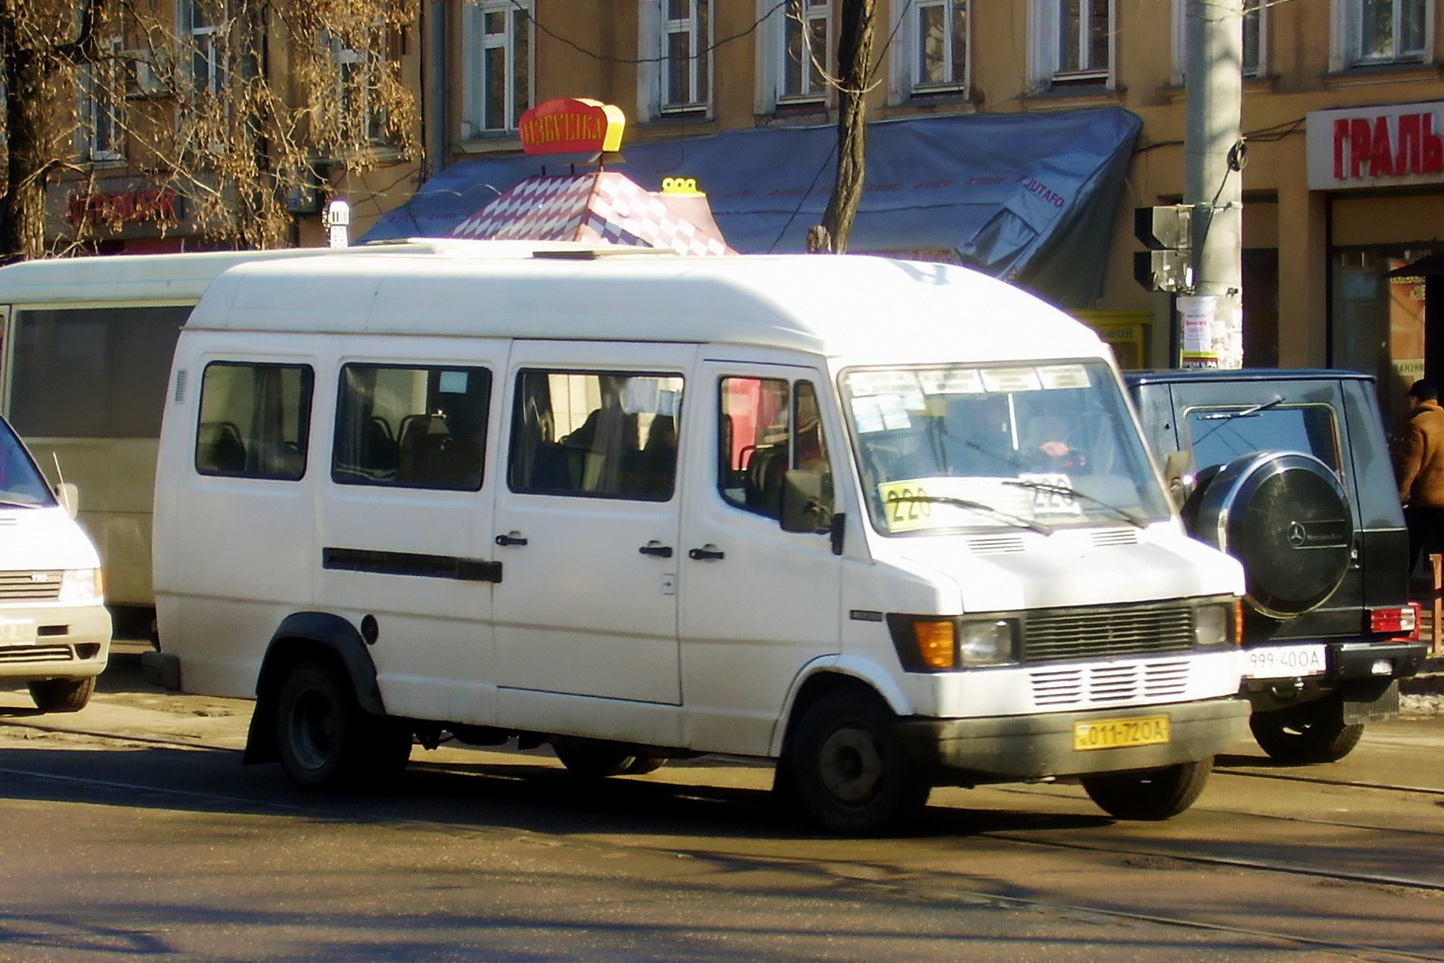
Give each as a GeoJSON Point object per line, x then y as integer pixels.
{"type": "Point", "coordinates": [299, 637]}
{"type": "Point", "coordinates": [829, 674]}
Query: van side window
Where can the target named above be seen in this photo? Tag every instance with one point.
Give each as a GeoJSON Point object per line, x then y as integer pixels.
{"type": "Point", "coordinates": [767, 428]}
{"type": "Point", "coordinates": [595, 434]}
{"type": "Point", "coordinates": [255, 420]}
{"type": "Point", "coordinates": [411, 427]}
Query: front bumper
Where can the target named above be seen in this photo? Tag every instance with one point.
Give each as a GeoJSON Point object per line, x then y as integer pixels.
{"type": "Point", "coordinates": [72, 642]}
{"type": "Point", "coordinates": [1027, 748]}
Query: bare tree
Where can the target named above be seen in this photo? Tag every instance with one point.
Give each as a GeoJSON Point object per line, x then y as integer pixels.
{"type": "Point", "coordinates": [854, 67]}
{"type": "Point", "coordinates": [230, 104]}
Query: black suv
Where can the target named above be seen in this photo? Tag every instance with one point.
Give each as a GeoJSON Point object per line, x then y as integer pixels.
{"type": "Point", "coordinates": [1289, 472]}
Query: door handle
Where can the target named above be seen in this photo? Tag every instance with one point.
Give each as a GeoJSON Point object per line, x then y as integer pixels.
{"type": "Point", "coordinates": [705, 553]}
{"type": "Point", "coordinates": [656, 549]}
{"type": "Point", "coordinates": [511, 538]}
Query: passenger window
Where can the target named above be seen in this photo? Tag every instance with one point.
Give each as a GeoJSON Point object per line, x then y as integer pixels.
{"type": "Point", "coordinates": [255, 420]}
{"type": "Point", "coordinates": [595, 434]}
{"type": "Point", "coordinates": [768, 427]}
{"type": "Point", "coordinates": [1220, 434]}
{"type": "Point", "coordinates": [411, 427]}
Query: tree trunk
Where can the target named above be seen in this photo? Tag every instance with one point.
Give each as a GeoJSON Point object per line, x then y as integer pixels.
{"type": "Point", "coordinates": [22, 207]}
{"type": "Point", "coordinates": [854, 64]}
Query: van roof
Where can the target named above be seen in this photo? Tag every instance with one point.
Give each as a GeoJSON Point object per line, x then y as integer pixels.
{"type": "Point", "coordinates": [833, 305]}
{"type": "Point", "coordinates": [184, 277]}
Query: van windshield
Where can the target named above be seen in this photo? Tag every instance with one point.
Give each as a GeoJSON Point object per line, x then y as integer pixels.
{"type": "Point", "coordinates": [965, 447]}
{"type": "Point", "coordinates": [21, 484]}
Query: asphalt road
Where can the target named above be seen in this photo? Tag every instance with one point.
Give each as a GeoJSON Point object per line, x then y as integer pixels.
{"type": "Point", "coordinates": [131, 830]}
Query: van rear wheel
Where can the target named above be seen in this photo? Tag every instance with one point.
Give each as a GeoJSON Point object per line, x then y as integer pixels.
{"type": "Point", "coordinates": [1300, 735]}
{"type": "Point", "coordinates": [1150, 794]}
{"type": "Point", "coordinates": [849, 767]}
{"type": "Point", "coordinates": [326, 741]}
{"type": "Point", "coordinates": [62, 695]}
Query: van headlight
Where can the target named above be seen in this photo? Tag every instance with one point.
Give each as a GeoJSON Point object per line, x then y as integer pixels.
{"type": "Point", "coordinates": [81, 585]}
{"type": "Point", "coordinates": [1217, 624]}
{"type": "Point", "coordinates": [940, 643]}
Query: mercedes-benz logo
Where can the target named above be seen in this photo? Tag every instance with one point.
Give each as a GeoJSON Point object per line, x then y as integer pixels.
{"type": "Point", "coordinates": [1297, 535]}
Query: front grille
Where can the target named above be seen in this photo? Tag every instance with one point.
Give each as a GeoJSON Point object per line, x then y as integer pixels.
{"type": "Point", "coordinates": [36, 653]}
{"type": "Point", "coordinates": [29, 586]}
{"type": "Point", "coordinates": [1057, 634]}
{"type": "Point", "coordinates": [1104, 685]}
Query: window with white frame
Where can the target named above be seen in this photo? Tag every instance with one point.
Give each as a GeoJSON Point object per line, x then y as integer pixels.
{"type": "Point", "coordinates": [1255, 37]}
{"type": "Point", "coordinates": [939, 47]}
{"type": "Point", "coordinates": [1071, 42]}
{"type": "Point", "coordinates": [806, 50]}
{"type": "Point", "coordinates": [357, 73]}
{"type": "Point", "coordinates": [497, 64]}
{"type": "Point", "coordinates": [102, 96]}
{"type": "Point", "coordinates": [1376, 32]}
{"type": "Point", "coordinates": [202, 26]}
{"type": "Point", "coordinates": [676, 74]}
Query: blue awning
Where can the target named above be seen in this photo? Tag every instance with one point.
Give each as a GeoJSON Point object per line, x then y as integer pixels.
{"type": "Point", "coordinates": [1027, 197]}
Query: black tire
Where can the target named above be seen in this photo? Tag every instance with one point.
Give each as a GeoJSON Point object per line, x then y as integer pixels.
{"type": "Point", "coordinates": [62, 695]}
{"type": "Point", "coordinates": [591, 760]}
{"type": "Point", "coordinates": [1149, 794]}
{"type": "Point", "coordinates": [326, 742]}
{"type": "Point", "coordinates": [849, 767]}
{"type": "Point", "coordinates": [1300, 735]}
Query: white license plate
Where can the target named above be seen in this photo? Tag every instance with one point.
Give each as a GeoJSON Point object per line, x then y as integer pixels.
{"type": "Point", "coordinates": [17, 631]}
{"type": "Point", "coordinates": [1284, 661]}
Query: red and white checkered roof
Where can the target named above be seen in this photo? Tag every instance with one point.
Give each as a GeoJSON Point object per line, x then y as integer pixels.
{"type": "Point", "coordinates": [602, 206]}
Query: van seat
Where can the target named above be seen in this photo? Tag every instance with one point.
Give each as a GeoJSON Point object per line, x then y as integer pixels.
{"type": "Point", "coordinates": [219, 449]}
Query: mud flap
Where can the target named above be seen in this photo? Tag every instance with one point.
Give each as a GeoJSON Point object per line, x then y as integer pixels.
{"type": "Point", "coordinates": [1371, 701]}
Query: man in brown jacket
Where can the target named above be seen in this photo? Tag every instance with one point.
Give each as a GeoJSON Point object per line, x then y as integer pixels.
{"type": "Point", "coordinates": [1420, 470]}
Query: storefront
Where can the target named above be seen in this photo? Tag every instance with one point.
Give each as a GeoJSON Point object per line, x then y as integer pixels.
{"type": "Point", "coordinates": [1382, 169]}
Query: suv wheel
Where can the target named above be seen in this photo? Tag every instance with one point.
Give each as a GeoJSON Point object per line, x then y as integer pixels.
{"type": "Point", "coordinates": [1298, 735]}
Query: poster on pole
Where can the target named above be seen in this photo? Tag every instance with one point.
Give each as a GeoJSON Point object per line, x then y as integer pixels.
{"type": "Point", "coordinates": [1197, 314]}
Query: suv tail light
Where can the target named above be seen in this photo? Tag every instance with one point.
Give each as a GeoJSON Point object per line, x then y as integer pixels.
{"type": "Point", "coordinates": [1403, 623]}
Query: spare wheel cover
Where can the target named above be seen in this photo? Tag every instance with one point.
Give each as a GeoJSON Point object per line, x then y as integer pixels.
{"type": "Point", "coordinates": [1285, 516]}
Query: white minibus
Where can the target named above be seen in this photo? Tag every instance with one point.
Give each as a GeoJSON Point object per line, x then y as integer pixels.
{"type": "Point", "coordinates": [889, 524]}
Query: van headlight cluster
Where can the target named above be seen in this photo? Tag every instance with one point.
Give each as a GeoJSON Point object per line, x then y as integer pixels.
{"type": "Point", "coordinates": [81, 585]}
{"type": "Point", "coordinates": [1218, 623]}
{"type": "Point", "coordinates": [936, 644]}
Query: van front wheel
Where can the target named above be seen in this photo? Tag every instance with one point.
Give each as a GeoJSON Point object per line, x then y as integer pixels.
{"type": "Point", "coordinates": [62, 695]}
{"type": "Point", "coordinates": [1151, 794]}
{"type": "Point", "coordinates": [849, 767]}
{"type": "Point", "coordinates": [326, 741]}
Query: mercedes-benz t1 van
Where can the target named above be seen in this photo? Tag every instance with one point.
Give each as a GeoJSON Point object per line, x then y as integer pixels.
{"type": "Point", "coordinates": [889, 524]}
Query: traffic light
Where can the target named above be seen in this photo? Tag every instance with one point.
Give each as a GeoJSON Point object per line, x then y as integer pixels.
{"type": "Point", "coordinates": [1167, 232]}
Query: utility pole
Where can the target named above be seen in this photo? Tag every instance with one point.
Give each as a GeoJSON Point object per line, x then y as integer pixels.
{"type": "Point", "coordinates": [1211, 314]}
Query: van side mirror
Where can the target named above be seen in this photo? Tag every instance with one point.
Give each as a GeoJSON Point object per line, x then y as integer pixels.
{"type": "Point", "coordinates": [69, 497]}
{"type": "Point", "coordinates": [804, 507]}
{"type": "Point", "coordinates": [1178, 475]}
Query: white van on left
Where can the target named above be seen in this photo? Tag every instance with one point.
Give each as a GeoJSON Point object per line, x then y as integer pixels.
{"type": "Point", "coordinates": [54, 627]}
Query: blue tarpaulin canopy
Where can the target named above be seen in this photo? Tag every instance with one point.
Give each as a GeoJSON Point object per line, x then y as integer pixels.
{"type": "Point", "coordinates": [1026, 197]}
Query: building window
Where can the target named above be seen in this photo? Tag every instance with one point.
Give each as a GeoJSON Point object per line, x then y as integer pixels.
{"type": "Point", "coordinates": [806, 49]}
{"type": "Point", "coordinates": [497, 39]}
{"type": "Point", "coordinates": [676, 50]}
{"type": "Point", "coordinates": [1255, 38]}
{"type": "Point", "coordinates": [1071, 42]}
{"type": "Point", "coordinates": [255, 420]}
{"type": "Point", "coordinates": [358, 73]}
{"type": "Point", "coordinates": [940, 44]}
{"type": "Point", "coordinates": [1387, 31]}
{"type": "Point", "coordinates": [102, 97]}
{"type": "Point", "coordinates": [202, 27]}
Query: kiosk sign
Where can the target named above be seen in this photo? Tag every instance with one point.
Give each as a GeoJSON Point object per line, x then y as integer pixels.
{"type": "Point", "coordinates": [571, 125]}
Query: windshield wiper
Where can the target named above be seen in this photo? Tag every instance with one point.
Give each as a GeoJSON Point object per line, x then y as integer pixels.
{"type": "Point", "coordinates": [984, 507]}
{"type": "Point", "coordinates": [9, 504]}
{"type": "Point", "coordinates": [1242, 412]}
{"type": "Point", "coordinates": [1056, 489]}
